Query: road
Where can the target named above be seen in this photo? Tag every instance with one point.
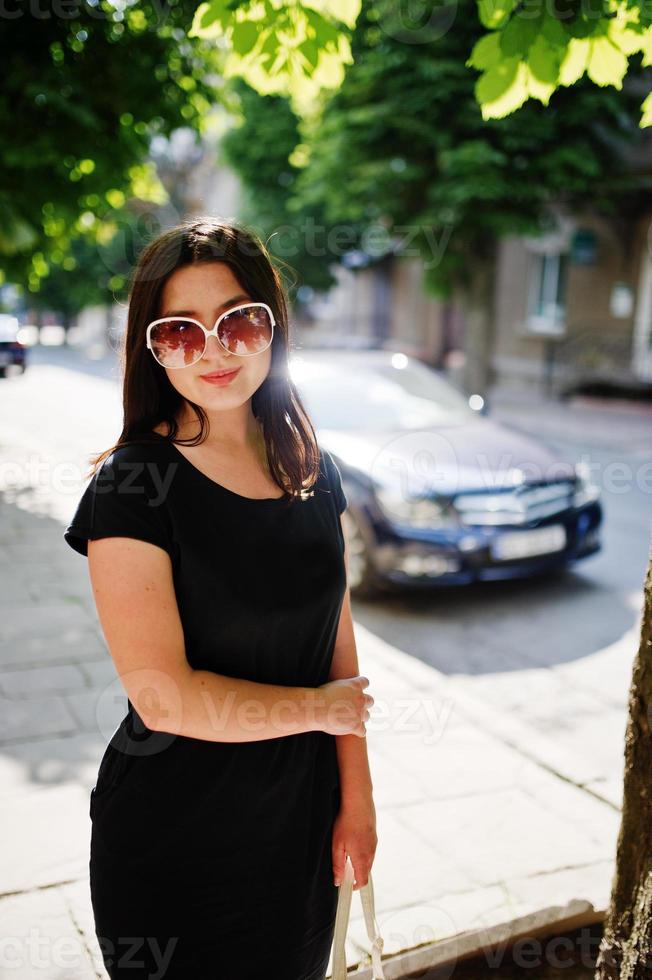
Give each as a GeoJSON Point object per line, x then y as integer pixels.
{"type": "Point", "coordinates": [554, 652]}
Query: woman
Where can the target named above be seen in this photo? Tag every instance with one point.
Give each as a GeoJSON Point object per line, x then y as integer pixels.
{"type": "Point", "coordinates": [238, 781]}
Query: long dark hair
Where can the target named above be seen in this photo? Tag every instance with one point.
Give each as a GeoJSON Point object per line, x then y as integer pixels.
{"type": "Point", "coordinates": [148, 396]}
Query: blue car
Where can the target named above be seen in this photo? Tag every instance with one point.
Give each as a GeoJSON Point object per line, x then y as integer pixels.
{"type": "Point", "coordinates": [438, 493]}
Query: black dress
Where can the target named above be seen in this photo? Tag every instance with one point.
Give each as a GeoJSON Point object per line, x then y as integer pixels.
{"type": "Point", "coordinates": [212, 860]}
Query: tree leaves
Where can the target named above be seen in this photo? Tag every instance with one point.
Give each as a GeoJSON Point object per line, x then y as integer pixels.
{"type": "Point", "coordinates": [402, 150]}
{"type": "Point", "coordinates": [82, 97]}
{"type": "Point", "coordinates": [533, 51]}
{"type": "Point", "coordinates": [282, 48]}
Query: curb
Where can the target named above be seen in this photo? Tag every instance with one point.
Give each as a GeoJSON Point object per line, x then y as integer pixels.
{"type": "Point", "coordinates": [468, 945]}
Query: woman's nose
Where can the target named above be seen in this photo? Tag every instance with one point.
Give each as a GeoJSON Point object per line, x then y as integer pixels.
{"type": "Point", "coordinates": [214, 347]}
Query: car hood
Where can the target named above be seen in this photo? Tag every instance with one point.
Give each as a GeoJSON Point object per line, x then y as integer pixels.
{"type": "Point", "coordinates": [478, 454]}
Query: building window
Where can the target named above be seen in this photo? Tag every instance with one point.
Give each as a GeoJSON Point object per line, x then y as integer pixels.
{"type": "Point", "coordinates": [547, 293]}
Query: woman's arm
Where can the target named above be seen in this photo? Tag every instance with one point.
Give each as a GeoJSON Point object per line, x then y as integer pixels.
{"type": "Point", "coordinates": [353, 761]}
{"type": "Point", "coordinates": [354, 830]}
{"type": "Point", "coordinates": [136, 603]}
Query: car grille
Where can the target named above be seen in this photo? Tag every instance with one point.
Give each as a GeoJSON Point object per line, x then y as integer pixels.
{"type": "Point", "coordinates": [519, 505]}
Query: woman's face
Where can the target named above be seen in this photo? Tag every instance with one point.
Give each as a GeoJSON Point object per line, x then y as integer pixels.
{"type": "Point", "coordinates": [204, 291]}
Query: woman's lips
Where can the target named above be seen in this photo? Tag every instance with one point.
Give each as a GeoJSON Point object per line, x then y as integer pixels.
{"type": "Point", "coordinates": [220, 379]}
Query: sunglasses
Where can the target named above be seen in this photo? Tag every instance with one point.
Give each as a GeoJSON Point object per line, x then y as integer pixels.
{"type": "Point", "coordinates": [180, 341]}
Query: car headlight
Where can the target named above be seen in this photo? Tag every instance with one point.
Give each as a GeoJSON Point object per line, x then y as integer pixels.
{"type": "Point", "coordinates": [420, 512]}
{"type": "Point", "coordinates": [586, 490]}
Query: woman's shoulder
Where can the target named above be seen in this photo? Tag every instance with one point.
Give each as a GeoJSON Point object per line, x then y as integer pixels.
{"type": "Point", "coordinates": [138, 466]}
{"type": "Point", "coordinates": [126, 497]}
{"type": "Point", "coordinates": [327, 465]}
{"type": "Point", "coordinates": [330, 478]}
{"type": "Point", "coordinates": [136, 450]}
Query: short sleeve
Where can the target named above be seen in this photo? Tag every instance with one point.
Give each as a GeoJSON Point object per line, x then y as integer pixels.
{"type": "Point", "coordinates": [335, 482]}
{"type": "Point", "coordinates": [121, 500]}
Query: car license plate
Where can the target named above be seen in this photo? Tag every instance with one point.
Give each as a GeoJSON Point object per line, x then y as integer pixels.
{"type": "Point", "coordinates": [522, 544]}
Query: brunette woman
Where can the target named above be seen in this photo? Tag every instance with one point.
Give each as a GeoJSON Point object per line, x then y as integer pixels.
{"type": "Point", "coordinates": [231, 792]}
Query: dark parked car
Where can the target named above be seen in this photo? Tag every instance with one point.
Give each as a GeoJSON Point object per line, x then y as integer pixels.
{"type": "Point", "coordinates": [12, 352]}
{"type": "Point", "coordinates": [439, 494]}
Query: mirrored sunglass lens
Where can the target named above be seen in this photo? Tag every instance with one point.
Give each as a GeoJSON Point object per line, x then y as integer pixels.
{"type": "Point", "coordinates": [177, 343]}
{"type": "Point", "coordinates": [247, 331]}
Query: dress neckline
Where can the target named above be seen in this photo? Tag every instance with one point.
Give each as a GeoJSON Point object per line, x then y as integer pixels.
{"type": "Point", "coordinates": [220, 486]}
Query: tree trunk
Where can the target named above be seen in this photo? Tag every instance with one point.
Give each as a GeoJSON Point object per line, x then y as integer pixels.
{"type": "Point", "coordinates": [626, 949]}
{"type": "Point", "coordinates": [478, 295]}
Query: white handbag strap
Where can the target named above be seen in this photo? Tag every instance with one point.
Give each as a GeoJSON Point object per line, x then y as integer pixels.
{"type": "Point", "coordinates": [342, 921]}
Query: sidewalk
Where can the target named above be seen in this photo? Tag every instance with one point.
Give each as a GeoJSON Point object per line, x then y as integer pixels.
{"type": "Point", "coordinates": [487, 831]}
{"type": "Point", "coordinates": [581, 417]}
{"type": "Point", "coordinates": [483, 833]}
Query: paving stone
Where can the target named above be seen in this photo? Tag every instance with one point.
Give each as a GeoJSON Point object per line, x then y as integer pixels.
{"type": "Point", "coordinates": [97, 710]}
{"type": "Point", "coordinates": [71, 760]}
{"type": "Point", "coordinates": [392, 781]}
{"type": "Point", "coordinates": [58, 644]}
{"type": "Point", "coordinates": [33, 682]}
{"type": "Point", "coordinates": [513, 731]}
{"type": "Point", "coordinates": [408, 869]}
{"type": "Point", "coordinates": [78, 898]}
{"type": "Point", "coordinates": [49, 829]}
{"type": "Point", "coordinates": [34, 717]}
{"type": "Point", "coordinates": [61, 622]}
{"type": "Point", "coordinates": [610, 789]}
{"type": "Point", "coordinates": [504, 834]}
{"type": "Point", "coordinates": [556, 887]}
{"type": "Point", "coordinates": [607, 672]}
{"type": "Point", "coordinates": [99, 673]}
{"type": "Point", "coordinates": [461, 761]}
{"type": "Point", "coordinates": [40, 938]}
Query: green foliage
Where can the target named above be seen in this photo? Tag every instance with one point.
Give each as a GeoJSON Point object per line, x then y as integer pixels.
{"type": "Point", "coordinates": [297, 49]}
{"type": "Point", "coordinates": [403, 157]}
{"type": "Point", "coordinates": [534, 48]}
{"type": "Point", "coordinates": [261, 148]}
{"type": "Point", "coordinates": [85, 279]}
{"type": "Point", "coordinates": [402, 140]}
{"type": "Point", "coordinates": [82, 96]}
{"type": "Point", "coordinates": [293, 49]}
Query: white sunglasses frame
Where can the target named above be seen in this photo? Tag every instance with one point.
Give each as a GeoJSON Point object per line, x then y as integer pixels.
{"type": "Point", "coordinates": [209, 333]}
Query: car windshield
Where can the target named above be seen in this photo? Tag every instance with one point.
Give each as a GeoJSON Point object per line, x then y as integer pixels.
{"type": "Point", "coordinates": [397, 394]}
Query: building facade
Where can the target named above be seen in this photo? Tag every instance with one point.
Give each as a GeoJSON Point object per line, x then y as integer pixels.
{"type": "Point", "coordinates": [571, 308]}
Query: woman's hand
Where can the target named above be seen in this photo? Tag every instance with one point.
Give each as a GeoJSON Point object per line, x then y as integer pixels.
{"type": "Point", "coordinates": [342, 707]}
{"type": "Point", "coordinates": [354, 833]}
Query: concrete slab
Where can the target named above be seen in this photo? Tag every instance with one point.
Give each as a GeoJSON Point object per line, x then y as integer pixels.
{"type": "Point", "coordinates": [41, 937]}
